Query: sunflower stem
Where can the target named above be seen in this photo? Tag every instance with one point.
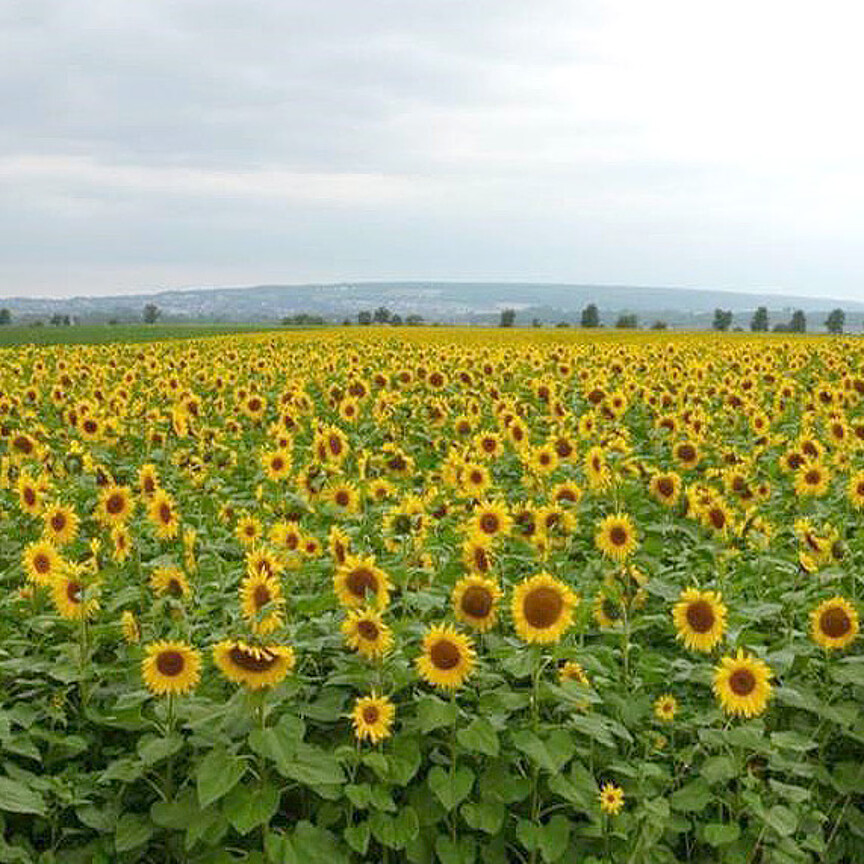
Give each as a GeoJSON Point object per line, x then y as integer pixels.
{"type": "Point", "coordinates": [169, 768]}
{"type": "Point", "coordinates": [535, 725]}
{"type": "Point", "coordinates": [454, 744]}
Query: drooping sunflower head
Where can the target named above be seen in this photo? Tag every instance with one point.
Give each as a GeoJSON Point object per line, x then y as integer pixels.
{"type": "Point", "coordinates": [130, 628]}
{"type": "Point", "coordinates": [365, 632]}
{"type": "Point", "coordinates": [254, 667]}
{"type": "Point", "coordinates": [475, 600]}
{"type": "Point", "coordinates": [542, 608]}
{"type": "Point", "coordinates": [616, 537]}
{"type": "Point", "coordinates": [855, 490]}
{"type": "Point", "coordinates": [261, 602]}
{"type": "Point", "coordinates": [742, 685]}
{"type": "Point", "coordinates": [834, 623]}
{"type": "Point", "coordinates": [477, 554]}
{"type": "Point", "coordinates": [700, 619]}
{"type": "Point", "coordinates": [373, 718]}
{"type": "Point", "coordinates": [358, 581]}
{"type": "Point", "coordinates": [171, 668]}
{"type": "Point", "coordinates": [447, 658]}
{"type": "Point", "coordinates": [608, 611]}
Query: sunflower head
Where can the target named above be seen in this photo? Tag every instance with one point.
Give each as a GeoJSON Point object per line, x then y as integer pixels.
{"type": "Point", "coordinates": [474, 600]}
{"type": "Point", "coordinates": [254, 667]}
{"type": "Point", "coordinates": [742, 685]}
{"type": "Point", "coordinates": [700, 619]}
{"type": "Point", "coordinates": [542, 608]}
{"type": "Point", "coordinates": [616, 537]}
{"type": "Point", "coordinates": [261, 602]}
{"type": "Point", "coordinates": [373, 717]}
{"type": "Point", "coordinates": [447, 658]}
{"type": "Point", "coordinates": [358, 581]}
{"type": "Point", "coordinates": [171, 668]}
{"type": "Point", "coordinates": [611, 799]}
{"type": "Point", "coordinates": [834, 623]}
{"type": "Point", "coordinates": [366, 633]}
{"type": "Point", "coordinates": [665, 707]}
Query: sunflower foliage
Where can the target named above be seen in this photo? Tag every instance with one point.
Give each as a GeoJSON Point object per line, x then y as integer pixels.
{"type": "Point", "coordinates": [456, 596]}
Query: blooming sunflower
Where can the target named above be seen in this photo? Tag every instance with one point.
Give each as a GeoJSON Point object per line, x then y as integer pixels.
{"type": "Point", "coordinates": [373, 718]}
{"type": "Point", "coordinates": [616, 537]}
{"type": "Point", "coordinates": [477, 555]}
{"type": "Point", "coordinates": [359, 577]}
{"type": "Point", "coordinates": [261, 602]}
{"type": "Point", "coordinates": [570, 670]}
{"type": "Point", "coordinates": [276, 464]}
{"type": "Point", "coordinates": [700, 619]}
{"type": "Point", "coordinates": [253, 666]}
{"type": "Point", "coordinates": [665, 707]}
{"type": "Point", "coordinates": [366, 633]}
{"type": "Point", "coordinates": [855, 490]}
{"type": "Point", "coordinates": [41, 562]}
{"type": "Point", "coordinates": [742, 685]}
{"type": "Point", "coordinates": [686, 454]}
{"type": "Point", "coordinates": [542, 608]}
{"type": "Point", "coordinates": [70, 594]}
{"type": "Point", "coordinates": [665, 488]}
{"type": "Point", "coordinates": [608, 612]}
{"type": "Point", "coordinates": [171, 668]}
{"type": "Point", "coordinates": [475, 480]}
{"type": "Point", "coordinates": [148, 480]}
{"type": "Point", "coordinates": [121, 543]}
{"type": "Point", "coordinates": [60, 524]}
{"type": "Point", "coordinates": [447, 658]}
{"type": "Point", "coordinates": [115, 505]}
{"type": "Point", "coordinates": [474, 600]}
{"type": "Point", "coordinates": [812, 480]}
{"type": "Point", "coordinates": [611, 799]}
{"type": "Point", "coordinates": [834, 623]}
{"type": "Point", "coordinates": [491, 519]}
{"type": "Point", "coordinates": [162, 512]}
{"type": "Point", "coordinates": [171, 581]}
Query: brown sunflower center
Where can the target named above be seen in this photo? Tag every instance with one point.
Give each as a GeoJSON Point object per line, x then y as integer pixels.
{"type": "Point", "coordinates": [367, 629]}
{"type": "Point", "coordinates": [370, 715]}
{"type": "Point", "coordinates": [278, 463]}
{"type": "Point", "coordinates": [717, 517]}
{"type": "Point", "coordinates": [686, 452]}
{"type": "Point", "coordinates": [610, 609]}
{"type": "Point", "coordinates": [834, 622]}
{"type": "Point", "coordinates": [477, 601]}
{"type": "Point", "coordinates": [813, 477]}
{"type": "Point", "coordinates": [665, 487]}
{"type": "Point", "coordinates": [481, 559]}
{"type": "Point", "coordinates": [115, 503]}
{"type": "Point", "coordinates": [700, 616]}
{"type": "Point", "coordinates": [542, 607]}
{"type": "Point", "coordinates": [343, 498]}
{"type": "Point", "coordinates": [618, 535]}
{"type": "Point", "coordinates": [29, 496]}
{"type": "Point", "coordinates": [74, 591]}
{"type": "Point", "coordinates": [489, 523]}
{"type": "Point", "coordinates": [360, 580]}
{"type": "Point", "coordinates": [261, 596]}
{"type": "Point", "coordinates": [170, 663]}
{"type": "Point", "coordinates": [252, 661]}
{"type": "Point", "coordinates": [742, 682]}
{"type": "Point", "coordinates": [444, 655]}
{"type": "Point", "coordinates": [58, 522]}
{"type": "Point", "coordinates": [476, 478]}
{"type": "Point", "coordinates": [90, 426]}
{"type": "Point", "coordinates": [41, 563]}
{"type": "Point", "coordinates": [22, 444]}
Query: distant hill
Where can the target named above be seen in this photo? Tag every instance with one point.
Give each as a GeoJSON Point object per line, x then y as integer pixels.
{"type": "Point", "coordinates": [458, 302]}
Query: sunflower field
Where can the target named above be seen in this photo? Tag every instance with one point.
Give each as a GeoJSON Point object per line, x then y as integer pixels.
{"type": "Point", "coordinates": [426, 595]}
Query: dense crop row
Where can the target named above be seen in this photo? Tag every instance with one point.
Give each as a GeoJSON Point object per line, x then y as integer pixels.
{"type": "Point", "coordinates": [456, 596]}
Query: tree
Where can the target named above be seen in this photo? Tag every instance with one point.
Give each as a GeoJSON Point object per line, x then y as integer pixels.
{"type": "Point", "coordinates": [590, 316]}
{"type": "Point", "coordinates": [798, 324]}
{"type": "Point", "coordinates": [659, 325]}
{"type": "Point", "coordinates": [414, 320]}
{"type": "Point", "coordinates": [364, 317]}
{"type": "Point", "coordinates": [508, 316]}
{"type": "Point", "coordinates": [382, 315]}
{"type": "Point", "coordinates": [722, 320]}
{"type": "Point", "coordinates": [759, 321]}
{"type": "Point", "coordinates": [396, 319]}
{"type": "Point", "coordinates": [5, 316]}
{"type": "Point", "coordinates": [627, 321]}
{"type": "Point", "coordinates": [151, 313]}
{"type": "Point", "coordinates": [835, 321]}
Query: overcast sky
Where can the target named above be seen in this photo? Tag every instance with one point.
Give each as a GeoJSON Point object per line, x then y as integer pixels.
{"type": "Point", "coordinates": [156, 144]}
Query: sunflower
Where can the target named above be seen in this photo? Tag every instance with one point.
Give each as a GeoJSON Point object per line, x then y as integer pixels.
{"type": "Point", "coordinates": [115, 505]}
{"type": "Point", "coordinates": [477, 555]}
{"type": "Point", "coordinates": [70, 595]}
{"type": "Point", "coordinates": [373, 717]}
{"type": "Point", "coordinates": [611, 799]}
{"type": "Point", "coordinates": [171, 668]}
{"type": "Point", "coordinates": [543, 460]}
{"type": "Point", "coordinates": [834, 623]}
{"type": "Point", "coordinates": [261, 602]}
{"type": "Point", "coordinates": [570, 670]}
{"type": "Point", "coordinates": [812, 480]}
{"type": "Point", "coordinates": [60, 524]}
{"type": "Point", "coordinates": [542, 608]}
{"type": "Point", "coordinates": [121, 543]}
{"type": "Point", "coordinates": [474, 600]}
{"type": "Point", "coordinates": [148, 480]}
{"type": "Point", "coordinates": [29, 495]}
{"type": "Point", "coordinates": [263, 561]}
{"type": "Point", "coordinates": [566, 494]}
{"type": "Point", "coordinates": [665, 488]}
{"type": "Point", "coordinates": [665, 707]}
{"type": "Point", "coordinates": [276, 464]}
{"type": "Point", "coordinates": [686, 454]}
{"type": "Point", "coordinates": [855, 490]}
{"type": "Point", "coordinates": [343, 496]}
{"type": "Point", "coordinates": [616, 537]}
{"type": "Point", "coordinates": [130, 628]}
{"type": "Point", "coordinates": [742, 685]}
{"type": "Point", "coordinates": [447, 658]}
{"type": "Point", "coordinates": [608, 612]}
{"type": "Point", "coordinates": [596, 470]}
{"type": "Point", "coordinates": [359, 577]}
{"type": "Point", "coordinates": [171, 581]}
{"type": "Point", "coordinates": [162, 512]}
{"type": "Point", "coordinates": [253, 666]}
{"type": "Point", "coordinates": [339, 544]}
{"type": "Point", "coordinates": [700, 619]}
{"type": "Point", "coordinates": [366, 633]}
{"type": "Point", "coordinates": [491, 519]}
{"type": "Point", "coordinates": [41, 562]}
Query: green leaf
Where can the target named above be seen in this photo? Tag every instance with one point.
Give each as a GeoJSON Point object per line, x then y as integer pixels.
{"type": "Point", "coordinates": [103, 820]}
{"type": "Point", "coordinates": [487, 816]}
{"type": "Point", "coordinates": [550, 754]}
{"type": "Point", "coordinates": [15, 797]}
{"type": "Point", "coordinates": [553, 838]}
{"type": "Point", "coordinates": [250, 805]}
{"type": "Point", "coordinates": [462, 851]}
{"type": "Point", "coordinates": [176, 814]}
{"type": "Point", "coordinates": [782, 820]}
{"type": "Point", "coordinates": [126, 770]}
{"type": "Point", "coordinates": [692, 798]}
{"type": "Point", "coordinates": [403, 760]}
{"type": "Point", "coordinates": [278, 743]}
{"type": "Point", "coordinates": [313, 766]}
{"type": "Point", "coordinates": [154, 749]}
{"type": "Point", "coordinates": [793, 741]}
{"type": "Point", "coordinates": [380, 799]}
{"type": "Point", "coordinates": [314, 845]}
{"type": "Point", "coordinates": [719, 834]}
{"type": "Point", "coordinates": [278, 849]}
{"type": "Point", "coordinates": [717, 769]}
{"type": "Point", "coordinates": [359, 794]}
{"type": "Point", "coordinates": [132, 831]}
{"type": "Point", "coordinates": [395, 832]}
{"type": "Point", "coordinates": [357, 837]}
{"type": "Point", "coordinates": [450, 788]}
{"type": "Point", "coordinates": [433, 713]}
{"type": "Point", "coordinates": [217, 774]}
{"type": "Point", "coordinates": [480, 736]}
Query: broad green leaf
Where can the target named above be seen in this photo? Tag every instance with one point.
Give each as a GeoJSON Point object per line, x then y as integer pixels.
{"type": "Point", "coordinates": [217, 774]}
{"type": "Point", "coordinates": [15, 797]}
{"type": "Point", "coordinates": [314, 845]}
{"type": "Point", "coordinates": [792, 740]}
{"type": "Point", "coordinates": [433, 713]}
{"type": "Point", "coordinates": [718, 769]}
{"type": "Point", "coordinates": [395, 832]}
{"type": "Point", "coordinates": [479, 736]}
{"type": "Point", "coordinates": [550, 754]}
{"type": "Point", "coordinates": [357, 837]}
{"type": "Point", "coordinates": [782, 820]}
{"type": "Point", "coordinates": [487, 816]}
{"type": "Point", "coordinates": [132, 831]}
{"type": "Point", "coordinates": [462, 851]}
{"type": "Point", "coordinates": [175, 814]}
{"type": "Point", "coordinates": [450, 788]}
{"type": "Point", "coordinates": [553, 838]}
{"type": "Point", "coordinates": [692, 798]}
{"type": "Point", "coordinates": [153, 750]}
{"type": "Point", "coordinates": [719, 834]}
{"type": "Point", "coordinates": [249, 805]}
{"type": "Point", "coordinates": [313, 766]}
